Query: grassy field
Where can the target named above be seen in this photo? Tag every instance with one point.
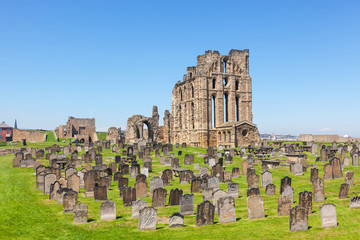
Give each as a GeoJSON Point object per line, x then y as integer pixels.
{"type": "Point", "coordinates": [25, 213]}
{"type": "Point", "coordinates": [101, 135]}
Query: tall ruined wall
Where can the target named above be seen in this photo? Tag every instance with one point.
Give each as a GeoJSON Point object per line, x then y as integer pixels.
{"type": "Point", "coordinates": [30, 136]}
{"type": "Point", "coordinates": [216, 91]}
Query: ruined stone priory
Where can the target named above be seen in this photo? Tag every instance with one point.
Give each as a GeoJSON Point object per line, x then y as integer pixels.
{"type": "Point", "coordinates": [83, 129]}
{"type": "Point", "coordinates": [211, 106]}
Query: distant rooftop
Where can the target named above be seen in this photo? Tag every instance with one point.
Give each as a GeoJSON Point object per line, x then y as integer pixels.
{"type": "Point", "coordinates": [4, 125]}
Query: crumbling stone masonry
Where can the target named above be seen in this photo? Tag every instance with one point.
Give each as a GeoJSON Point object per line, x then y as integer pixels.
{"type": "Point", "coordinates": [213, 104]}
{"type": "Point", "coordinates": [82, 129]}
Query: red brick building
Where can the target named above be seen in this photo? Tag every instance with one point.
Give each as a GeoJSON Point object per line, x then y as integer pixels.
{"type": "Point", "coordinates": [6, 132]}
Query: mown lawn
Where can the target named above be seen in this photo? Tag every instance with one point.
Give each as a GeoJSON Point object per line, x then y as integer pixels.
{"type": "Point", "coordinates": [25, 213]}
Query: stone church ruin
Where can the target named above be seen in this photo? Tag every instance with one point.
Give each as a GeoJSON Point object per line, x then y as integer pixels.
{"type": "Point", "coordinates": [212, 106]}
{"type": "Point", "coordinates": [82, 129]}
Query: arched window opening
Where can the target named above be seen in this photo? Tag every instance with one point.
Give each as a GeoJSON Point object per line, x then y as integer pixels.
{"type": "Point", "coordinates": [224, 82]}
{"type": "Point", "coordinates": [224, 67]}
{"type": "Point", "coordinates": [237, 108]}
{"type": "Point", "coordinates": [237, 85]}
{"type": "Point", "coordinates": [180, 93]}
{"type": "Point", "coordinates": [224, 135]}
{"type": "Point", "coordinates": [190, 75]}
{"type": "Point", "coordinates": [225, 107]}
{"type": "Point", "coordinates": [192, 91]}
{"type": "Point", "coordinates": [229, 136]}
{"type": "Point", "coordinates": [192, 115]}
{"type": "Point", "coordinates": [214, 83]}
{"type": "Point", "coordinates": [213, 123]}
{"type": "Point", "coordinates": [220, 136]}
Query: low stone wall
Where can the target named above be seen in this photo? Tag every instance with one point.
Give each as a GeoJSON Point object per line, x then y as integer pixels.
{"type": "Point", "coordinates": [30, 136]}
{"type": "Point", "coordinates": [326, 138]}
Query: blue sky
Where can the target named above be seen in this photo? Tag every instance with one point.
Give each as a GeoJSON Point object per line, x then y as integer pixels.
{"type": "Point", "coordinates": [112, 59]}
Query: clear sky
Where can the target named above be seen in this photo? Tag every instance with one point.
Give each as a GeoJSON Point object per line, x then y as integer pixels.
{"type": "Point", "coordinates": [113, 59]}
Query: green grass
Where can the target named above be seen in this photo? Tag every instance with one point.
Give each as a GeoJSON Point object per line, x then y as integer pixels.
{"type": "Point", "coordinates": [101, 135]}
{"type": "Point", "coordinates": [50, 136]}
{"type": "Point", "coordinates": [25, 213]}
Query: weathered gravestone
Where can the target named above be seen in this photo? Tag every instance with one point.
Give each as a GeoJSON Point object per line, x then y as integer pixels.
{"type": "Point", "coordinates": [336, 168]}
{"type": "Point", "coordinates": [53, 190]}
{"type": "Point", "coordinates": [129, 196]}
{"type": "Point", "coordinates": [253, 191]}
{"type": "Point", "coordinates": [233, 190]}
{"type": "Point", "coordinates": [318, 190]}
{"type": "Point", "coordinates": [155, 182]}
{"type": "Point", "coordinates": [89, 182]}
{"type": "Point", "coordinates": [346, 161]}
{"type": "Point", "coordinates": [305, 200]}
{"type": "Point", "coordinates": [244, 166]}
{"type": "Point", "coordinates": [349, 177]}
{"type": "Point", "coordinates": [159, 197]}
{"type": "Point", "coordinates": [226, 208]}
{"type": "Point", "coordinates": [216, 196]}
{"type": "Point", "coordinates": [141, 189]}
{"type": "Point", "coordinates": [314, 174]}
{"type": "Point", "coordinates": [253, 180]}
{"type": "Point", "coordinates": [298, 169]}
{"type": "Point", "coordinates": [176, 220]}
{"type": "Point", "coordinates": [285, 181]}
{"type": "Point", "coordinates": [70, 199]}
{"type": "Point", "coordinates": [205, 213]}
{"type": "Point", "coordinates": [355, 202]}
{"type": "Point", "coordinates": [344, 190]}
{"type": "Point", "coordinates": [284, 206]}
{"type": "Point", "coordinates": [255, 206]}
{"type": "Point", "coordinates": [235, 172]}
{"type": "Point", "coordinates": [195, 185]}
{"type": "Point", "coordinates": [49, 179]}
{"type": "Point", "coordinates": [187, 204]}
{"type": "Point", "coordinates": [174, 198]}
{"type": "Point", "coordinates": [270, 189]}
{"type": "Point", "coordinates": [40, 181]}
{"type": "Point", "coordinates": [328, 215]}
{"type": "Point", "coordinates": [147, 218]}
{"type": "Point", "coordinates": [298, 219]}
{"type": "Point", "coordinates": [288, 192]}
{"type": "Point", "coordinates": [100, 193]}
{"type": "Point", "coordinates": [185, 177]}
{"type": "Point", "coordinates": [107, 210]}
{"type": "Point", "coordinates": [266, 178]}
{"type": "Point", "coordinates": [73, 182]}
{"type": "Point", "coordinates": [137, 206]}
{"type": "Point", "coordinates": [80, 213]}
{"type": "Point", "coordinates": [355, 160]}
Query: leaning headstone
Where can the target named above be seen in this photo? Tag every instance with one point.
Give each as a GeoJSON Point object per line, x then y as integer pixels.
{"type": "Point", "coordinates": [328, 172]}
{"type": "Point", "coordinates": [226, 208]}
{"type": "Point", "coordinates": [108, 210]}
{"type": "Point", "coordinates": [73, 182]}
{"type": "Point", "coordinates": [203, 171]}
{"type": "Point", "coordinates": [187, 204]}
{"type": "Point", "coordinates": [344, 190]}
{"type": "Point", "coordinates": [137, 206]}
{"type": "Point", "coordinates": [298, 219]}
{"type": "Point", "coordinates": [255, 206]}
{"type": "Point", "coordinates": [54, 190]}
{"type": "Point", "coordinates": [100, 193]}
{"type": "Point", "coordinates": [80, 213]}
{"type": "Point", "coordinates": [270, 190]}
{"type": "Point", "coordinates": [284, 206]}
{"type": "Point", "coordinates": [205, 213]}
{"type": "Point", "coordinates": [147, 218]}
{"type": "Point", "coordinates": [318, 190]}
{"type": "Point", "coordinates": [328, 215]}
{"type": "Point", "coordinates": [176, 220]}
